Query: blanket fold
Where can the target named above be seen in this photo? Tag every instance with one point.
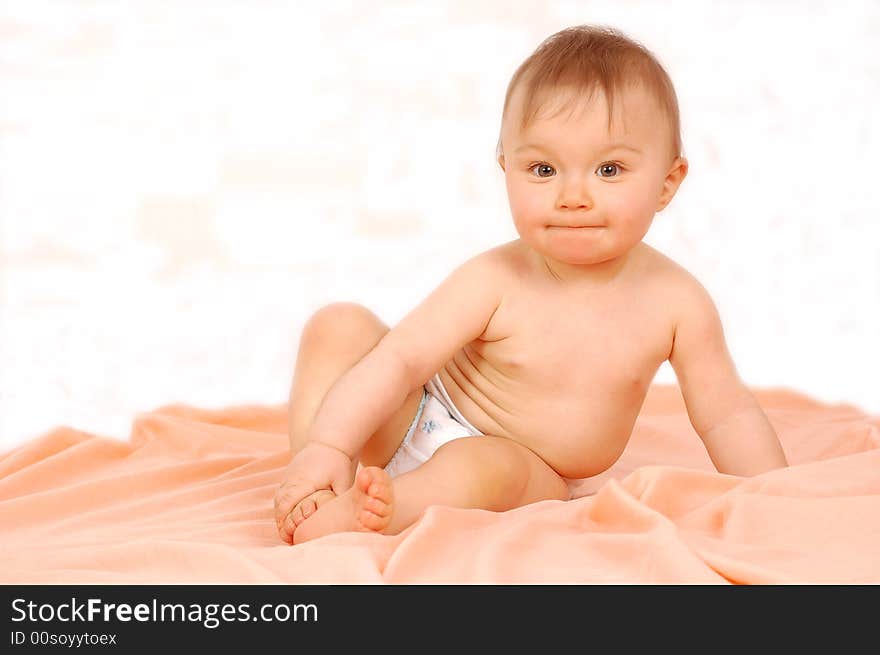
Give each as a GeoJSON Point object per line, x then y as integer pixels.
{"type": "Point", "coordinates": [188, 499]}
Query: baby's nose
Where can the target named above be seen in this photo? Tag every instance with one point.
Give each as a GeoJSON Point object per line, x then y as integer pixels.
{"type": "Point", "coordinates": [575, 200]}
{"type": "Point", "coordinates": [574, 195]}
{"type": "Point", "coordinates": [575, 204]}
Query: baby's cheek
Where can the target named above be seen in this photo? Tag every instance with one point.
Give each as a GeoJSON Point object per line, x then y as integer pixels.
{"type": "Point", "coordinates": [532, 208]}
{"type": "Point", "coordinates": [629, 207]}
{"type": "Point", "coordinates": [530, 219]}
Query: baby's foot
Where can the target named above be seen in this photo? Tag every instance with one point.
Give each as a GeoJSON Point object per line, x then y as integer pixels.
{"type": "Point", "coordinates": [366, 507]}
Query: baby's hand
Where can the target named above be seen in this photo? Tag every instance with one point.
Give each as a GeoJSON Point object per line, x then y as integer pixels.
{"type": "Point", "coordinates": [315, 467]}
{"type": "Point", "coordinates": [309, 505]}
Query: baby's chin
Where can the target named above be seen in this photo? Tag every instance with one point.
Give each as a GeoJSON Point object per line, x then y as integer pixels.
{"type": "Point", "coordinates": [577, 254]}
{"type": "Point", "coordinates": [598, 261]}
{"type": "Point", "coordinates": [581, 261]}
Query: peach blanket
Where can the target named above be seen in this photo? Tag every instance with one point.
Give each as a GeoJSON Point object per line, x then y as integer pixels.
{"type": "Point", "coordinates": [188, 499]}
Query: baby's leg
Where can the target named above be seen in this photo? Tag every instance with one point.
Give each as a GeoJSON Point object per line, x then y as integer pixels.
{"type": "Point", "coordinates": [333, 340]}
{"type": "Point", "coordinates": [482, 472]}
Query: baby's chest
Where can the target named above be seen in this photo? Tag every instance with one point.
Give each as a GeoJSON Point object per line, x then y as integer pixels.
{"type": "Point", "coordinates": [575, 366]}
{"type": "Point", "coordinates": [582, 351]}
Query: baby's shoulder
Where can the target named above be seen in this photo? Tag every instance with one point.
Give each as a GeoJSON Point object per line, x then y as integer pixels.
{"type": "Point", "coordinates": [665, 271]}
{"type": "Point", "coordinates": [515, 262]}
{"type": "Point", "coordinates": [677, 286]}
{"type": "Point", "coordinates": [503, 263]}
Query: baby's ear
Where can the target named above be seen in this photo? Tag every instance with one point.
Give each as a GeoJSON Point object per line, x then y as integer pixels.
{"type": "Point", "coordinates": [501, 161]}
{"type": "Point", "coordinates": [674, 178]}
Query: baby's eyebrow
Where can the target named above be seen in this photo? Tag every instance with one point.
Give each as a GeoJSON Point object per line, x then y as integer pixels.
{"type": "Point", "coordinates": [610, 147]}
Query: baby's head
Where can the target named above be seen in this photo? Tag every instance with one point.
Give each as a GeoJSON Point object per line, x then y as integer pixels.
{"type": "Point", "coordinates": [590, 145]}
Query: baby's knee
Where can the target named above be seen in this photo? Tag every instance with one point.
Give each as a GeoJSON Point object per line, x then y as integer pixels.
{"type": "Point", "coordinates": [341, 320]}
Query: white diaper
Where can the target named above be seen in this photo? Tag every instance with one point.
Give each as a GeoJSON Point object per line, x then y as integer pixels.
{"type": "Point", "coordinates": [437, 421]}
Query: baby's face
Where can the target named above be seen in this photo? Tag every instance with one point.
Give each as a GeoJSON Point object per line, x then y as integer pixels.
{"type": "Point", "coordinates": [579, 194]}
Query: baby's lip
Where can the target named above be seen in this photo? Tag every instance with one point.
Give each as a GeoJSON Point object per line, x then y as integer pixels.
{"type": "Point", "coordinates": [576, 227]}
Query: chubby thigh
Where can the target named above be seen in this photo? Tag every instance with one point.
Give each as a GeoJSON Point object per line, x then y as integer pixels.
{"type": "Point", "coordinates": [539, 480]}
{"type": "Point", "coordinates": [485, 471]}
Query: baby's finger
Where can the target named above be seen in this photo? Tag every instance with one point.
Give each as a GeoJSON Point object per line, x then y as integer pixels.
{"type": "Point", "coordinates": [285, 531]}
{"type": "Point", "coordinates": [298, 518]}
{"type": "Point", "coordinates": [295, 515]}
{"type": "Point", "coordinates": [288, 527]}
{"type": "Point", "coordinates": [287, 499]}
{"type": "Point", "coordinates": [306, 509]}
{"type": "Point", "coordinates": [282, 509]}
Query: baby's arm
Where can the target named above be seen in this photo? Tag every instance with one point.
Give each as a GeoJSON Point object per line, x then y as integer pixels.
{"type": "Point", "coordinates": [733, 427]}
{"type": "Point", "coordinates": [366, 396]}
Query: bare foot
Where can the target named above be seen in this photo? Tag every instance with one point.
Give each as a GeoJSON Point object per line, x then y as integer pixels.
{"type": "Point", "coordinates": [366, 507]}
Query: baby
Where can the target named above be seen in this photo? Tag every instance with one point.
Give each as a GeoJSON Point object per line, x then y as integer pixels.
{"type": "Point", "coordinates": [530, 362]}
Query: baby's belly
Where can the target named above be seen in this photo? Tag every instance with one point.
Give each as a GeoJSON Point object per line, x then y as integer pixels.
{"type": "Point", "coordinates": [578, 434]}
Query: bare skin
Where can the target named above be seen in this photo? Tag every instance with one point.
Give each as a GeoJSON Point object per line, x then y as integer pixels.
{"type": "Point", "coordinates": [588, 395]}
{"type": "Point", "coordinates": [487, 472]}
{"type": "Point", "coordinates": [331, 343]}
{"type": "Point", "coordinates": [547, 344]}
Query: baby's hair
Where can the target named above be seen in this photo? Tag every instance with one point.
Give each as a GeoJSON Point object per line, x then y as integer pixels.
{"type": "Point", "coordinates": [583, 58]}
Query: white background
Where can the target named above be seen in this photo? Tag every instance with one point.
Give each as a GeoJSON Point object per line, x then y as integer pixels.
{"type": "Point", "coordinates": [183, 183]}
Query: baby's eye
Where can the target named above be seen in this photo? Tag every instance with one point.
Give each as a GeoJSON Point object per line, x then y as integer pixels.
{"type": "Point", "coordinates": [544, 170]}
{"type": "Point", "coordinates": [609, 169]}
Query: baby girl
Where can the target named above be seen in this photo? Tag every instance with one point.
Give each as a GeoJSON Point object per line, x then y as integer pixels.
{"type": "Point", "coordinates": [529, 363]}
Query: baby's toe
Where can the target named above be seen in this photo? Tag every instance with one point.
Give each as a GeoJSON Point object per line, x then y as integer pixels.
{"type": "Point", "coordinates": [378, 507]}
{"type": "Point", "coordinates": [371, 521]}
{"type": "Point", "coordinates": [380, 489]}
